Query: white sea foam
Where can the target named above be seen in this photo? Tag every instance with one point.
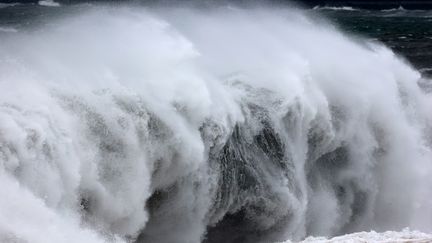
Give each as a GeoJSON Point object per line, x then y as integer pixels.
{"type": "Point", "coordinates": [343, 8]}
{"type": "Point", "coordinates": [389, 236]}
{"type": "Point", "coordinates": [49, 3]}
{"type": "Point", "coordinates": [155, 123]}
{"type": "Point", "coordinates": [400, 8]}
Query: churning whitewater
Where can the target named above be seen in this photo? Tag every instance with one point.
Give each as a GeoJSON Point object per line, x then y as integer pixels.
{"type": "Point", "coordinates": [222, 124]}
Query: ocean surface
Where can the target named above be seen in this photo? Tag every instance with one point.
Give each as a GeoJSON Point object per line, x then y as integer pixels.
{"type": "Point", "coordinates": [407, 32]}
{"type": "Point", "coordinates": [189, 124]}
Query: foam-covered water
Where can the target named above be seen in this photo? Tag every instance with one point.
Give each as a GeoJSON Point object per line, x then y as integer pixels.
{"type": "Point", "coordinates": [389, 236]}
{"type": "Point", "coordinates": [49, 3]}
{"type": "Point", "coordinates": [207, 125]}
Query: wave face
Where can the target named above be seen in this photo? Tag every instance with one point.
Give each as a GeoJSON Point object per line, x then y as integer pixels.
{"type": "Point", "coordinates": [207, 125]}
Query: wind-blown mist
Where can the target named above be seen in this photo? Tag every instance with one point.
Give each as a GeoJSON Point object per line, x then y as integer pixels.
{"type": "Point", "coordinates": [215, 125]}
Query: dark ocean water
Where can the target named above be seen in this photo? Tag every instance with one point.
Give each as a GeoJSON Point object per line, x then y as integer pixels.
{"type": "Point", "coordinates": [407, 32]}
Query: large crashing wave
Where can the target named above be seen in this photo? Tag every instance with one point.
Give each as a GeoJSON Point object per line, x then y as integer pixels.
{"type": "Point", "coordinates": [211, 125]}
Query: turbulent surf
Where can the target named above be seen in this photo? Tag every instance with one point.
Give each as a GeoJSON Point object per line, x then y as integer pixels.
{"type": "Point", "coordinates": [218, 124]}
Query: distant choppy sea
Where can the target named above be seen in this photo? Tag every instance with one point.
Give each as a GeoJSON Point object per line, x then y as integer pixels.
{"type": "Point", "coordinates": [407, 32]}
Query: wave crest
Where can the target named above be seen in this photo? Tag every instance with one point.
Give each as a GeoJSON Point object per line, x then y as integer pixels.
{"type": "Point", "coordinates": [186, 125]}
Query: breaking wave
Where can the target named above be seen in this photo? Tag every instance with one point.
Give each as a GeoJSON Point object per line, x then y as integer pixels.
{"type": "Point", "coordinates": [400, 8]}
{"type": "Point", "coordinates": [342, 8]}
{"type": "Point", "coordinates": [207, 125]}
{"type": "Point", "coordinates": [49, 3]}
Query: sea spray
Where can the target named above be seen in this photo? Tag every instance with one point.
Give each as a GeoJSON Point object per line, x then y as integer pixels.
{"type": "Point", "coordinates": [215, 125]}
